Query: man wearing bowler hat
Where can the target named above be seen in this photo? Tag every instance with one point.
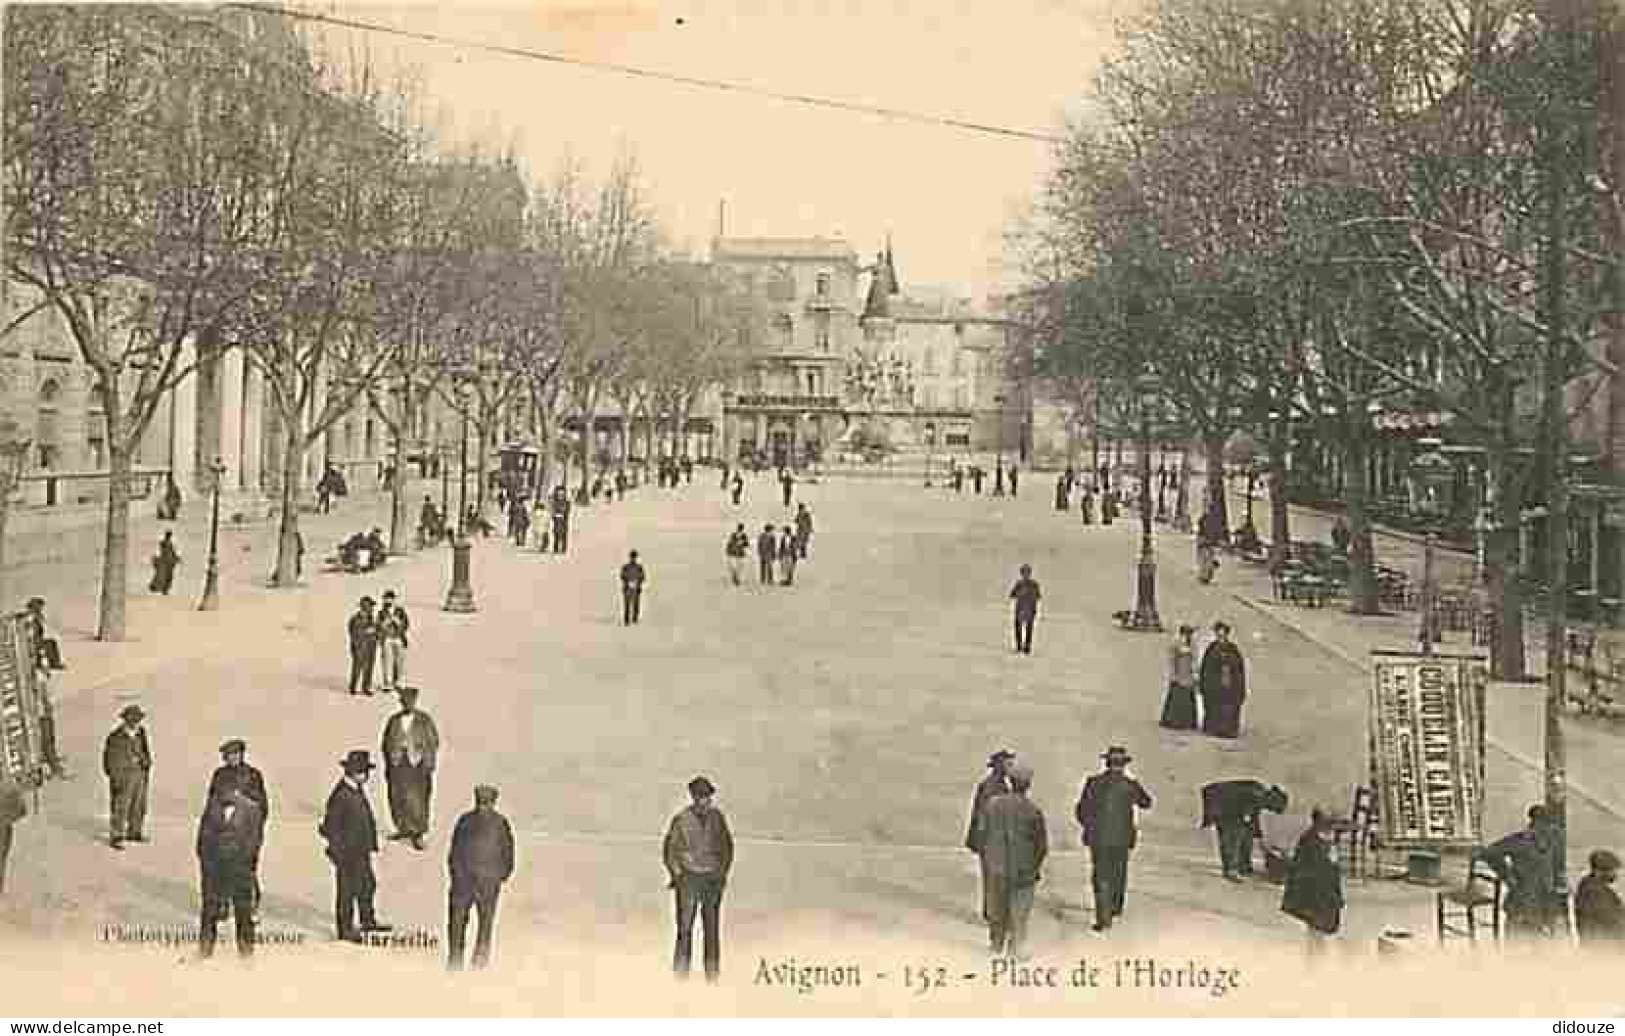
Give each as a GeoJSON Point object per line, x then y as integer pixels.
{"type": "Point", "coordinates": [699, 850]}
{"type": "Point", "coordinates": [996, 783]}
{"type": "Point", "coordinates": [410, 745]}
{"type": "Point", "coordinates": [235, 773]}
{"type": "Point", "coordinates": [1106, 813]}
{"type": "Point", "coordinates": [480, 860]}
{"type": "Point", "coordinates": [127, 762]}
{"type": "Point", "coordinates": [352, 838]}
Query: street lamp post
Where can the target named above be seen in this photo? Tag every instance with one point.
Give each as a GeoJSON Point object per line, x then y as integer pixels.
{"type": "Point", "coordinates": [930, 443]}
{"type": "Point", "coordinates": [444, 453]}
{"type": "Point", "coordinates": [462, 473]}
{"type": "Point", "coordinates": [1144, 617]}
{"type": "Point", "coordinates": [998, 460]}
{"type": "Point", "coordinates": [1432, 472]}
{"type": "Point", "coordinates": [211, 574]}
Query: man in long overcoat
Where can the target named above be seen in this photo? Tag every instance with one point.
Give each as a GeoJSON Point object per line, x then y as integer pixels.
{"type": "Point", "coordinates": [127, 762]}
{"type": "Point", "coordinates": [480, 860]}
{"type": "Point", "coordinates": [229, 837]}
{"type": "Point", "coordinates": [410, 744]}
{"type": "Point", "coordinates": [1223, 684]}
{"type": "Point", "coordinates": [1014, 846]}
{"type": "Point", "coordinates": [352, 838]}
{"type": "Point", "coordinates": [560, 507]}
{"type": "Point", "coordinates": [767, 552]}
{"type": "Point", "coordinates": [363, 632]}
{"type": "Point", "coordinates": [997, 782]}
{"type": "Point", "coordinates": [235, 773]}
{"type": "Point", "coordinates": [1106, 813]}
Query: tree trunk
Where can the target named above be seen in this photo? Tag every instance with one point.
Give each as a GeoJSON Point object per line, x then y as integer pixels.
{"type": "Point", "coordinates": [589, 440]}
{"type": "Point", "coordinates": [1213, 456]}
{"type": "Point", "coordinates": [400, 538]}
{"type": "Point", "coordinates": [1363, 598]}
{"type": "Point", "coordinates": [1280, 516]}
{"type": "Point", "coordinates": [286, 573]}
{"type": "Point", "coordinates": [116, 554]}
{"type": "Point", "coordinates": [1508, 660]}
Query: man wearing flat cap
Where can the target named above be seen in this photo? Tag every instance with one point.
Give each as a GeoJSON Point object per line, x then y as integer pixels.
{"type": "Point", "coordinates": [363, 630]}
{"type": "Point", "coordinates": [480, 860]}
{"type": "Point", "coordinates": [699, 851]}
{"type": "Point", "coordinates": [1106, 813]}
{"type": "Point", "coordinates": [352, 838]}
{"type": "Point", "coordinates": [127, 762]}
{"type": "Point", "coordinates": [235, 773]}
{"type": "Point", "coordinates": [994, 784]}
{"type": "Point", "coordinates": [410, 745]}
{"type": "Point", "coordinates": [1014, 845]}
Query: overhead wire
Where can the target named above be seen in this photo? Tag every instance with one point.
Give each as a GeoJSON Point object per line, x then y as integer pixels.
{"type": "Point", "coordinates": [698, 82]}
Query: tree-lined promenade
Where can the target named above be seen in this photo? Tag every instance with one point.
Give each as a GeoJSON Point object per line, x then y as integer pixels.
{"type": "Point", "coordinates": [177, 186]}
{"type": "Point", "coordinates": [1298, 217]}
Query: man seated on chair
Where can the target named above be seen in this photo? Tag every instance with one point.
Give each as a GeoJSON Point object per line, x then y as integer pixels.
{"type": "Point", "coordinates": [1526, 861]}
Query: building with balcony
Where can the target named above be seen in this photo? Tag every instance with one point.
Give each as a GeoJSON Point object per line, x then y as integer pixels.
{"type": "Point", "coordinates": [788, 405]}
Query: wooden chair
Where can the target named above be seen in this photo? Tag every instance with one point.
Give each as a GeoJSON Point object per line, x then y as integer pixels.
{"type": "Point", "coordinates": [1355, 836]}
{"type": "Point", "coordinates": [1456, 911]}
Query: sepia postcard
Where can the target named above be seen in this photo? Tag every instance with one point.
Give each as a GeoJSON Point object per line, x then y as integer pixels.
{"type": "Point", "coordinates": [808, 508]}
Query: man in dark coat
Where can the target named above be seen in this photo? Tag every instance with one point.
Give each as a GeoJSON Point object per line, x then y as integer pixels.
{"type": "Point", "coordinates": [1314, 884]}
{"type": "Point", "coordinates": [1063, 490]}
{"type": "Point", "coordinates": [1527, 861]}
{"type": "Point", "coordinates": [787, 485]}
{"type": "Point", "coordinates": [767, 552]}
{"type": "Point", "coordinates": [787, 556]}
{"type": "Point", "coordinates": [1233, 808]}
{"type": "Point", "coordinates": [352, 838]}
{"type": "Point", "coordinates": [127, 762]}
{"type": "Point", "coordinates": [976, 477]}
{"type": "Point", "coordinates": [1223, 681]}
{"type": "Point", "coordinates": [996, 783]}
{"type": "Point", "coordinates": [164, 564]}
{"type": "Point", "coordinates": [1026, 594]}
{"type": "Point", "coordinates": [410, 744]}
{"type": "Point", "coordinates": [235, 773]}
{"type": "Point", "coordinates": [480, 860]}
{"type": "Point", "coordinates": [738, 488]}
{"type": "Point", "coordinates": [363, 630]}
{"type": "Point", "coordinates": [1599, 917]}
{"type": "Point", "coordinates": [1014, 846]}
{"type": "Point", "coordinates": [1106, 813]}
{"type": "Point", "coordinates": [736, 550]}
{"type": "Point", "coordinates": [698, 853]}
{"type": "Point", "coordinates": [560, 508]}
{"type": "Point", "coordinates": [804, 530]}
{"type": "Point", "coordinates": [229, 837]}
{"type": "Point", "coordinates": [633, 577]}
{"type": "Point", "coordinates": [1012, 480]}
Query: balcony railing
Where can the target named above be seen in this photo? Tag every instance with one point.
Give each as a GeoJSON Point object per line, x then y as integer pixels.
{"type": "Point", "coordinates": [768, 401]}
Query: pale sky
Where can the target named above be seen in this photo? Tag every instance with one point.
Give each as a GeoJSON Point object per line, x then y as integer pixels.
{"type": "Point", "coordinates": [784, 169]}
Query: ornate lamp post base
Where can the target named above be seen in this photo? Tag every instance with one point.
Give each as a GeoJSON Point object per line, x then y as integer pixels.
{"type": "Point", "coordinates": [460, 598]}
{"type": "Point", "coordinates": [211, 587]}
{"type": "Point", "coordinates": [1144, 618]}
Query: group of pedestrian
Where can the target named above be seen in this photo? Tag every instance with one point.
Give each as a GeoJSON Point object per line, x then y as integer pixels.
{"type": "Point", "coordinates": [778, 550]}
{"type": "Point", "coordinates": [1011, 840]}
{"type": "Point", "coordinates": [1221, 682]}
{"type": "Point", "coordinates": [232, 829]}
{"type": "Point", "coordinates": [382, 637]}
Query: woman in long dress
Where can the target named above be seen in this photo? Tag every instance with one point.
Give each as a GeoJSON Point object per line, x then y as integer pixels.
{"type": "Point", "coordinates": [163, 565]}
{"type": "Point", "coordinates": [1314, 883]}
{"type": "Point", "coordinates": [1179, 705]}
